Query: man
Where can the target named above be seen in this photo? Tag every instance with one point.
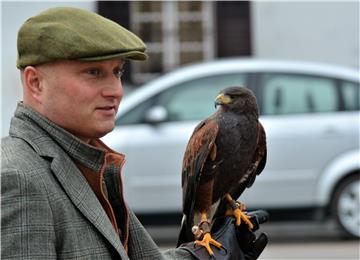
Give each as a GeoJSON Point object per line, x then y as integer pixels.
{"type": "Point", "coordinates": [62, 195]}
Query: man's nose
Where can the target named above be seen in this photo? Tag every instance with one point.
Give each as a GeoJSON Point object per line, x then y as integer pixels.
{"type": "Point", "coordinates": [113, 89]}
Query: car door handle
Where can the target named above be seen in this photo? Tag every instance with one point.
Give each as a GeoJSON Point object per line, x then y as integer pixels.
{"type": "Point", "coordinates": [331, 131]}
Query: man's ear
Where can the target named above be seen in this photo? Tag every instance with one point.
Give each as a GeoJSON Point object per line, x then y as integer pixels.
{"type": "Point", "coordinates": [33, 82]}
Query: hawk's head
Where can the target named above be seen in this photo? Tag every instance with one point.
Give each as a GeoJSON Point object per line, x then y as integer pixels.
{"type": "Point", "coordinates": [237, 100]}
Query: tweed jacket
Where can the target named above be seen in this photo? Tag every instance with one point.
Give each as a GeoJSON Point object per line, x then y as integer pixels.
{"type": "Point", "coordinates": [48, 210]}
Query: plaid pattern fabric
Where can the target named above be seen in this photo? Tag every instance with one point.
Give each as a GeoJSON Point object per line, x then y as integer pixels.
{"type": "Point", "coordinates": [48, 210]}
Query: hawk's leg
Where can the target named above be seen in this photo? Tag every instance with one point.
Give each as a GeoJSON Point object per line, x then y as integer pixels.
{"type": "Point", "coordinates": [203, 236]}
{"type": "Point", "coordinates": [236, 210]}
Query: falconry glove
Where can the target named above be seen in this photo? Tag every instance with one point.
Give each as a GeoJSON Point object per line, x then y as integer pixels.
{"type": "Point", "coordinates": [237, 242]}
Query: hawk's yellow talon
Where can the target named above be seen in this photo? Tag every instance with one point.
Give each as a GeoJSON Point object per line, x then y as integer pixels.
{"type": "Point", "coordinates": [240, 216]}
{"type": "Point", "coordinates": [206, 241]}
{"type": "Point", "coordinates": [237, 212]}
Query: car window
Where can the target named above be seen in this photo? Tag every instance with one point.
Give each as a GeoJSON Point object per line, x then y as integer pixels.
{"type": "Point", "coordinates": [136, 115]}
{"type": "Point", "coordinates": [191, 100]}
{"type": "Point", "coordinates": [350, 92]}
{"type": "Point", "coordinates": [294, 94]}
{"type": "Point", "coordinates": [194, 100]}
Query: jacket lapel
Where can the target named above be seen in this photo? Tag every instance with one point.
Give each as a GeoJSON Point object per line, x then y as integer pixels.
{"type": "Point", "coordinates": [84, 199]}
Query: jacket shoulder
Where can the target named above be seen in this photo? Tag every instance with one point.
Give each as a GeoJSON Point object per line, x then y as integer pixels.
{"type": "Point", "coordinates": [17, 154]}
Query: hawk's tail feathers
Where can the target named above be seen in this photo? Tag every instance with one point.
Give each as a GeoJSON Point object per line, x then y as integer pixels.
{"type": "Point", "coordinates": [185, 234]}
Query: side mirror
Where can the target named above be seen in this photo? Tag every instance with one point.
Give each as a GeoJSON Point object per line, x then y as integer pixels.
{"type": "Point", "coordinates": [155, 115]}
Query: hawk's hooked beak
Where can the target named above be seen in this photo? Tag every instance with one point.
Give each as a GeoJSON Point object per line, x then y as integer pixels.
{"type": "Point", "coordinates": [222, 99]}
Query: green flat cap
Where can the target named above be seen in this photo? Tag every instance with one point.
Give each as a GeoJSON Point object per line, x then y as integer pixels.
{"type": "Point", "coordinates": [65, 33]}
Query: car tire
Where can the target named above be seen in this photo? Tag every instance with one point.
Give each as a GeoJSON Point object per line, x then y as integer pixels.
{"type": "Point", "coordinates": [346, 206]}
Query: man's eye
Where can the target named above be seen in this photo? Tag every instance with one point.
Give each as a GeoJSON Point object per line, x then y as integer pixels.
{"type": "Point", "coordinates": [93, 72]}
{"type": "Point", "coordinates": [118, 72]}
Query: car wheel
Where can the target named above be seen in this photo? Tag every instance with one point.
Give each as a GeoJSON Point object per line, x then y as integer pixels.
{"type": "Point", "coordinates": [346, 206]}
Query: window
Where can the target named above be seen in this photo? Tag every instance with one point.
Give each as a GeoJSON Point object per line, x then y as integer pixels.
{"type": "Point", "coordinates": [191, 100]}
{"type": "Point", "coordinates": [294, 94]}
{"type": "Point", "coordinates": [351, 95]}
{"type": "Point", "coordinates": [175, 32]}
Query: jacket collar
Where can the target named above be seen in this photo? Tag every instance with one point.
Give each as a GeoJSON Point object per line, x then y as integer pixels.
{"type": "Point", "coordinates": [32, 126]}
{"type": "Point", "coordinates": [50, 140]}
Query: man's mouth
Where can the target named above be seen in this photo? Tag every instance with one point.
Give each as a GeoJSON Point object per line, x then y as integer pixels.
{"type": "Point", "coordinates": [108, 110]}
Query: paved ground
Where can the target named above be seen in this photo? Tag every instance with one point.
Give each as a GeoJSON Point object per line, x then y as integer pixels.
{"type": "Point", "coordinates": [330, 250]}
{"type": "Point", "coordinates": [288, 240]}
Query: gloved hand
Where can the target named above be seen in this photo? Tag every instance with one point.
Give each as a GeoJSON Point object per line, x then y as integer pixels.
{"type": "Point", "coordinates": [251, 245]}
{"type": "Point", "coordinates": [237, 242]}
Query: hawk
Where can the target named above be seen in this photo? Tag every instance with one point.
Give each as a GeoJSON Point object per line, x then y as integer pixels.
{"type": "Point", "coordinates": [222, 158]}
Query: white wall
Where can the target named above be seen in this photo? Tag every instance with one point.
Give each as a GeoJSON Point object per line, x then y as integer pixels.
{"type": "Point", "coordinates": [316, 31]}
{"type": "Point", "coordinates": [13, 15]}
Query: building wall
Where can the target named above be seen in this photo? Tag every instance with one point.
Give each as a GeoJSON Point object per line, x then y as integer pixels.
{"type": "Point", "coordinates": [315, 31]}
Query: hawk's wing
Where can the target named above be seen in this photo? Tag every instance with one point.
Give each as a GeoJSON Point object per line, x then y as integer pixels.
{"type": "Point", "coordinates": [259, 159]}
{"type": "Point", "coordinates": [201, 146]}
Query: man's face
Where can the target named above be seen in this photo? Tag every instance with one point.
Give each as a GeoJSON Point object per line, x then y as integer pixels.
{"type": "Point", "coordinates": [82, 97]}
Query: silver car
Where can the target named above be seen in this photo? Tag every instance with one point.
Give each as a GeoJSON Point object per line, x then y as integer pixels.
{"type": "Point", "coordinates": [311, 116]}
